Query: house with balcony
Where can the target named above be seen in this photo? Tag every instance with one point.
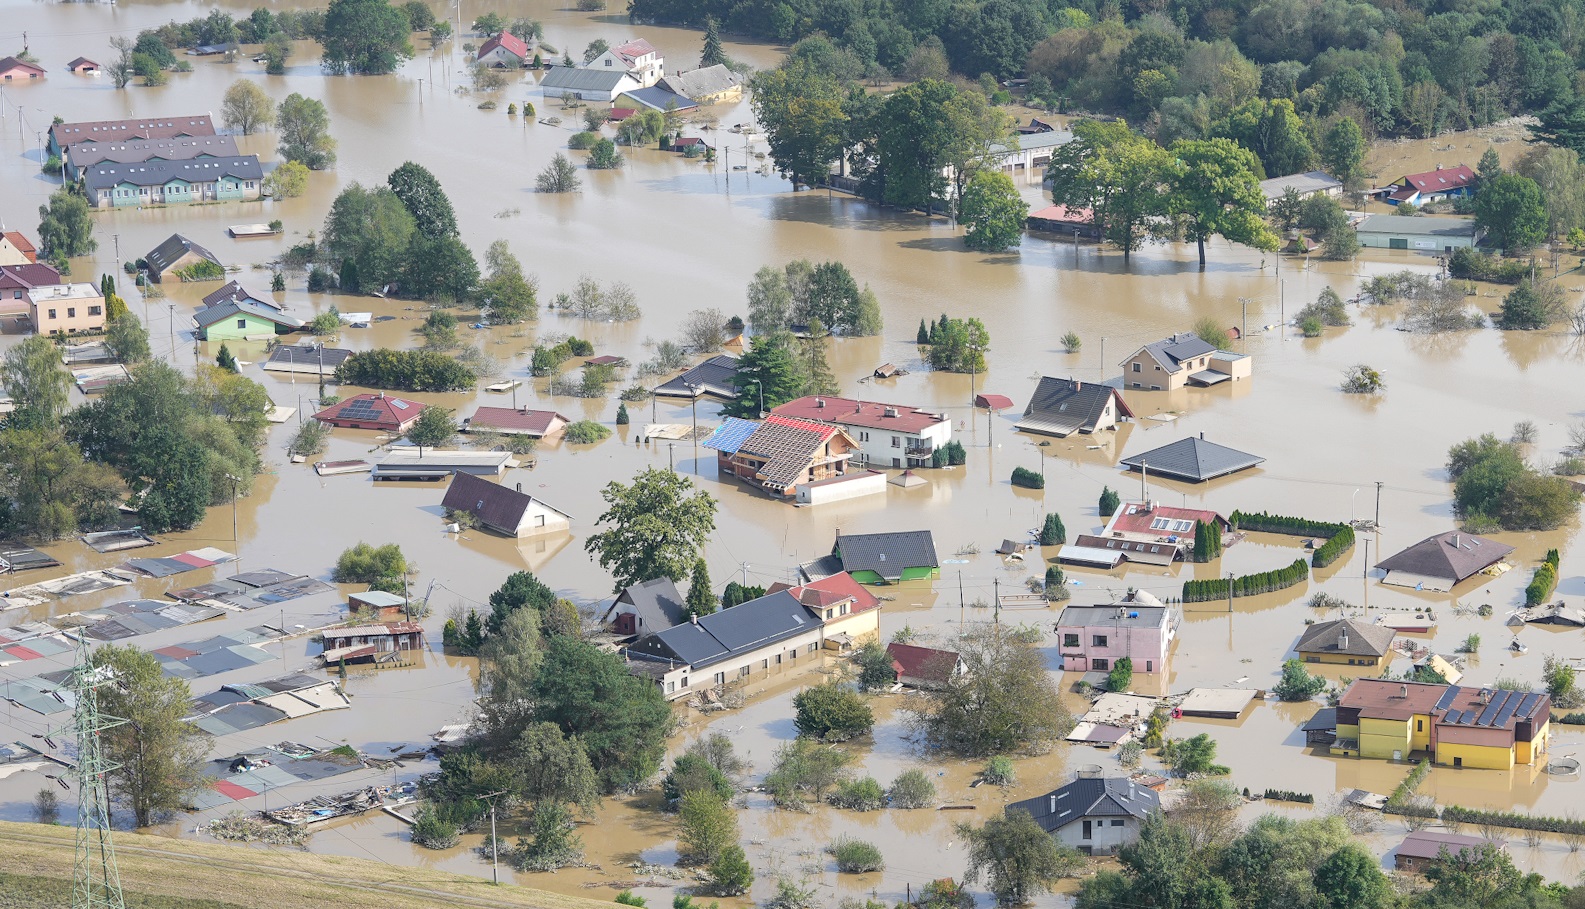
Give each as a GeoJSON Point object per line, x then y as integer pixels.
{"type": "Point", "coordinates": [638, 58]}
{"type": "Point", "coordinates": [1094, 638]}
{"type": "Point", "coordinates": [887, 435]}
{"type": "Point", "coordinates": [1492, 729]}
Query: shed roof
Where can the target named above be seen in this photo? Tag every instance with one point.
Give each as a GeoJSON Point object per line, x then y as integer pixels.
{"type": "Point", "coordinates": [295, 354]}
{"type": "Point", "coordinates": [1309, 182]}
{"type": "Point", "coordinates": [657, 98]}
{"type": "Point", "coordinates": [1193, 459]}
{"type": "Point", "coordinates": [928, 663]}
{"type": "Point", "coordinates": [1089, 797]}
{"type": "Point", "coordinates": [1428, 844]}
{"type": "Point", "coordinates": [1452, 554]}
{"type": "Point", "coordinates": [887, 554]}
{"type": "Point", "coordinates": [1346, 637]}
{"type": "Point", "coordinates": [1399, 225]}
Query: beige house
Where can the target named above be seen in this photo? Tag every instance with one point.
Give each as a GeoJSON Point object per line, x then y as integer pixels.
{"type": "Point", "coordinates": [1180, 360]}
{"type": "Point", "coordinates": [67, 309]}
{"type": "Point", "coordinates": [16, 250]}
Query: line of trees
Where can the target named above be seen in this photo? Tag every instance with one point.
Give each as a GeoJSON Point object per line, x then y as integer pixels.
{"type": "Point", "coordinates": [1248, 585]}
{"type": "Point", "coordinates": [1339, 537]}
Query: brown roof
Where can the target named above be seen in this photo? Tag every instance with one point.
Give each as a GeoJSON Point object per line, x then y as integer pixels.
{"type": "Point", "coordinates": [10, 63]}
{"type": "Point", "coordinates": [1383, 699]}
{"type": "Point", "coordinates": [137, 128]}
{"type": "Point", "coordinates": [922, 662]}
{"type": "Point", "coordinates": [511, 42]}
{"type": "Point", "coordinates": [1453, 554]}
{"type": "Point", "coordinates": [868, 414]}
{"type": "Point", "coordinates": [1347, 637]}
{"type": "Point", "coordinates": [23, 245]}
{"type": "Point", "coordinates": [33, 274]}
{"type": "Point", "coordinates": [1427, 844]}
{"type": "Point", "coordinates": [495, 506]}
{"type": "Point", "coordinates": [377, 410]}
{"type": "Point", "coordinates": [531, 422]}
{"type": "Point", "coordinates": [388, 629]}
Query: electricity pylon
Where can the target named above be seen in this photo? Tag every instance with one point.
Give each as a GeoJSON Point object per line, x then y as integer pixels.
{"type": "Point", "coordinates": [96, 881]}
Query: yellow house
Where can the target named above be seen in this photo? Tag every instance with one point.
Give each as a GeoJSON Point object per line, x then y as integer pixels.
{"type": "Point", "coordinates": [850, 614]}
{"type": "Point", "coordinates": [1346, 642]}
{"type": "Point", "coordinates": [1456, 727]}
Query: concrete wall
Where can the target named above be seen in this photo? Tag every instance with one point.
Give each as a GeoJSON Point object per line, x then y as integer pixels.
{"type": "Point", "coordinates": [67, 315]}
{"type": "Point", "coordinates": [864, 484]}
{"type": "Point", "coordinates": [540, 521]}
{"type": "Point", "coordinates": [1147, 647]}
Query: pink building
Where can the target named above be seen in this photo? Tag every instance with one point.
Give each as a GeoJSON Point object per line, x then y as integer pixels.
{"type": "Point", "coordinates": [1095, 637]}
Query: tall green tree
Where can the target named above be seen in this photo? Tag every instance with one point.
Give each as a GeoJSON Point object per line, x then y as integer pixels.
{"type": "Point", "coordinates": [434, 427]}
{"type": "Point", "coordinates": [1561, 178]}
{"type": "Point", "coordinates": [766, 372]}
{"type": "Point", "coordinates": [47, 490]}
{"type": "Point", "coordinates": [158, 755]}
{"type": "Point", "coordinates": [246, 107]}
{"type": "Point", "coordinates": [706, 828]}
{"type": "Point", "coordinates": [1351, 878]}
{"type": "Point", "coordinates": [548, 764]}
{"type": "Point", "coordinates": [1343, 149]}
{"type": "Point", "coordinates": [32, 377]}
{"type": "Point", "coordinates": [652, 527]}
{"type": "Point", "coordinates": [1004, 702]}
{"type": "Point", "coordinates": [993, 211]}
{"type": "Point", "coordinates": [1018, 858]}
{"type": "Point", "coordinates": [1563, 125]}
{"type": "Point", "coordinates": [1512, 211]}
{"type": "Point", "coordinates": [1217, 193]}
{"type": "Point", "coordinates": [801, 110]}
{"type": "Point", "coordinates": [304, 127]}
{"type": "Point", "coordinates": [372, 229]}
{"type": "Point", "coordinates": [364, 37]}
{"type": "Point", "coordinates": [65, 228]}
{"type": "Point", "coordinates": [1273, 131]}
{"type": "Point", "coordinates": [420, 192]}
{"type": "Point", "coordinates": [438, 268]}
{"type": "Point", "coordinates": [701, 599]}
{"type": "Point", "coordinates": [712, 53]}
{"type": "Point", "coordinates": [832, 297]}
{"type": "Point", "coordinates": [506, 291]}
{"type": "Point", "coordinates": [620, 718]}
{"type": "Point", "coordinates": [913, 142]}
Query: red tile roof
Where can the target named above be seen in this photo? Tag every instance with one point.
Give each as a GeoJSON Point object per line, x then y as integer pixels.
{"type": "Point", "coordinates": [372, 411]}
{"type": "Point", "coordinates": [618, 114]}
{"type": "Point", "coordinates": [634, 49]}
{"type": "Point", "coordinates": [1388, 700]}
{"type": "Point", "coordinates": [1443, 179]}
{"type": "Point", "coordinates": [1132, 518]}
{"type": "Point", "coordinates": [993, 402]}
{"type": "Point", "coordinates": [834, 589]}
{"type": "Point", "coordinates": [1064, 214]}
{"type": "Point", "coordinates": [868, 414]}
{"type": "Point", "coordinates": [23, 245]}
{"type": "Point", "coordinates": [922, 662]}
{"type": "Point", "coordinates": [530, 421]}
{"type": "Point", "coordinates": [511, 42]}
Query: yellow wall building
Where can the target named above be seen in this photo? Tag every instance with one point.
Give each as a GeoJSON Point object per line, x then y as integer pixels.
{"type": "Point", "coordinates": [1456, 727]}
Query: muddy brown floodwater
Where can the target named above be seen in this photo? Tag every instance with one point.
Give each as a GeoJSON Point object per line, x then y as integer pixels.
{"type": "Point", "coordinates": [688, 235]}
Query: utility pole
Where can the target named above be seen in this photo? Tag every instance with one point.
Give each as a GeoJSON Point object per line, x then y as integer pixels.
{"type": "Point", "coordinates": [1229, 593]}
{"type": "Point", "coordinates": [961, 604]}
{"type": "Point", "coordinates": [1365, 575]}
{"type": "Point", "coordinates": [495, 844]}
{"type": "Point", "coordinates": [1244, 330]}
{"type": "Point", "coordinates": [997, 610]}
{"type": "Point", "coordinates": [171, 330]}
{"type": "Point", "coordinates": [671, 456]}
{"type": "Point", "coordinates": [1103, 360]}
{"type": "Point", "coordinates": [1378, 505]}
{"type": "Point", "coordinates": [96, 878]}
{"type": "Point", "coordinates": [744, 566]}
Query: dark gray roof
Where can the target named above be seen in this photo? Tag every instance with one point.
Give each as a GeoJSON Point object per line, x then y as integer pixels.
{"type": "Point", "coordinates": [108, 174]}
{"type": "Point", "coordinates": [1063, 406]}
{"type": "Point", "coordinates": [703, 82]}
{"type": "Point", "coordinates": [1089, 797]}
{"type": "Point", "coordinates": [657, 98]}
{"type": "Point", "coordinates": [233, 290]}
{"type": "Point", "coordinates": [1325, 720]}
{"type": "Point", "coordinates": [887, 554]}
{"type": "Point", "coordinates": [1192, 459]}
{"type": "Point", "coordinates": [1171, 352]}
{"type": "Point", "coordinates": [823, 567]}
{"type": "Point", "coordinates": [174, 247]}
{"type": "Point", "coordinates": [1346, 637]}
{"type": "Point", "coordinates": [739, 629]}
{"type": "Point", "coordinates": [1452, 555]}
{"type": "Point", "coordinates": [212, 314]}
{"type": "Point", "coordinates": [712, 377]}
{"type": "Point", "coordinates": [302, 353]}
{"type": "Point", "coordinates": [578, 79]}
{"type": "Point", "coordinates": [658, 603]}
{"type": "Point", "coordinates": [135, 151]}
{"type": "Point", "coordinates": [497, 507]}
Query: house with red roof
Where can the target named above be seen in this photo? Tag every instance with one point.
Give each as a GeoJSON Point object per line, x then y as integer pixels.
{"type": "Point", "coordinates": [372, 411]}
{"type": "Point", "coordinates": [924, 667]}
{"type": "Point", "coordinates": [504, 50]}
{"type": "Point", "coordinates": [1145, 532]}
{"type": "Point", "coordinates": [637, 58]}
{"type": "Point", "coordinates": [13, 69]}
{"type": "Point", "coordinates": [511, 421]}
{"type": "Point", "coordinates": [1060, 219]}
{"type": "Point", "coordinates": [1431, 186]}
{"type": "Point", "coordinates": [851, 615]}
{"type": "Point", "coordinates": [15, 249]}
{"type": "Point", "coordinates": [781, 453]}
{"type": "Point", "coordinates": [887, 435]}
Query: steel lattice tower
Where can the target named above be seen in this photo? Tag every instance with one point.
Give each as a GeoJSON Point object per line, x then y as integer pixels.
{"type": "Point", "coordinates": [96, 881]}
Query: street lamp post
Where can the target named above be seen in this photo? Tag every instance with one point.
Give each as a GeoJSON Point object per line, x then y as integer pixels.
{"type": "Point", "coordinates": [234, 540]}
{"type": "Point", "coordinates": [761, 388]}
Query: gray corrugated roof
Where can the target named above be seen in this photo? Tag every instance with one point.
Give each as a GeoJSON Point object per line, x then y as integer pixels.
{"type": "Point", "coordinates": [1421, 226]}
{"type": "Point", "coordinates": [210, 315]}
{"type": "Point", "coordinates": [657, 602]}
{"type": "Point", "coordinates": [1193, 459]}
{"type": "Point", "coordinates": [1089, 798]}
{"type": "Point", "coordinates": [1346, 637]}
{"type": "Point", "coordinates": [578, 79]}
{"type": "Point", "coordinates": [732, 631]}
{"type": "Point", "coordinates": [658, 98]}
{"type": "Point", "coordinates": [108, 174]}
{"type": "Point", "coordinates": [183, 148]}
{"type": "Point", "coordinates": [1063, 406]}
{"type": "Point", "coordinates": [713, 377]}
{"type": "Point", "coordinates": [1452, 554]}
{"type": "Point", "coordinates": [703, 82]}
{"type": "Point", "coordinates": [887, 554]}
{"type": "Point", "coordinates": [1304, 184]}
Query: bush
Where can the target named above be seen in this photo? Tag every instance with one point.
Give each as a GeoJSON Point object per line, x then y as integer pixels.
{"type": "Point", "coordinates": [858, 795]}
{"type": "Point", "coordinates": [1056, 585]}
{"type": "Point", "coordinates": [586, 432]}
{"type": "Point", "coordinates": [1071, 342]}
{"type": "Point", "coordinates": [1361, 379]}
{"type": "Point", "coordinates": [1193, 755]}
{"type": "Point", "coordinates": [730, 874]}
{"type": "Point", "coordinates": [405, 370]}
{"type": "Point", "coordinates": [1473, 265]}
{"type": "Point", "coordinates": [832, 712]}
{"type": "Point", "coordinates": [1121, 675]}
{"type": "Point", "coordinates": [1297, 684]}
{"type": "Point", "coordinates": [1328, 309]}
{"type": "Point", "coordinates": [1052, 533]}
{"type": "Point", "coordinates": [1544, 581]}
{"type": "Point", "coordinates": [1284, 795]}
{"type": "Point", "coordinates": [1110, 501]}
{"type": "Point", "coordinates": [309, 439]}
{"type": "Point", "coordinates": [912, 789]}
{"type": "Point", "coordinates": [432, 832]}
{"type": "Point", "coordinates": [1023, 476]}
{"type": "Point", "coordinates": [1339, 537]}
{"type": "Point", "coordinates": [1310, 327]}
{"type": "Point", "coordinates": [380, 567]}
{"type": "Point", "coordinates": [855, 856]}
{"type": "Point", "coordinates": [692, 773]}
{"type": "Point", "coordinates": [1471, 644]}
{"type": "Point", "coordinates": [999, 771]}
{"type": "Point", "coordinates": [582, 141]}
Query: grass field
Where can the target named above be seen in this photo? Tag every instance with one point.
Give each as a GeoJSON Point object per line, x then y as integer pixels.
{"type": "Point", "coordinates": [160, 873]}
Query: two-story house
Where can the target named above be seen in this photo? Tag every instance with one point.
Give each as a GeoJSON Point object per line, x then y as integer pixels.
{"type": "Point", "coordinates": [781, 453]}
{"type": "Point", "coordinates": [637, 57]}
{"type": "Point", "coordinates": [1183, 359]}
{"type": "Point", "coordinates": [768, 634]}
{"type": "Point", "coordinates": [1492, 729]}
{"type": "Point", "coordinates": [66, 308]}
{"type": "Point", "coordinates": [850, 614]}
{"type": "Point", "coordinates": [887, 435]}
{"type": "Point", "coordinates": [1093, 814]}
{"type": "Point", "coordinates": [1093, 638]}
{"type": "Point", "coordinates": [1061, 407]}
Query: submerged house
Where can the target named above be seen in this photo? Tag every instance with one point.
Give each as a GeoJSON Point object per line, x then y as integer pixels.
{"type": "Point", "coordinates": [1095, 815]}
{"type": "Point", "coordinates": [1423, 847]}
{"type": "Point", "coordinates": [510, 512]}
{"type": "Point", "coordinates": [372, 411]}
{"type": "Point", "coordinates": [1310, 183]}
{"type": "Point", "coordinates": [1442, 561]}
{"type": "Point", "coordinates": [637, 58]}
{"type": "Point", "coordinates": [587, 84]}
{"type": "Point", "coordinates": [874, 558]}
{"type": "Point", "coordinates": [504, 50]}
{"type": "Point", "coordinates": [371, 642]}
{"type": "Point", "coordinates": [1183, 359]}
{"type": "Point", "coordinates": [1093, 638]}
{"type": "Point", "coordinates": [234, 312]}
{"type": "Point", "coordinates": [508, 421]}
{"type": "Point", "coordinates": [65, 135]}
{"type": "Point", "coordinates": [647, 607]}
{"type": "Point", "coordinates": [1345, 641]}
{"type": "Point", "coordinates": [1146, 532]}
{"type": "Point", "coordinates": [1421, 233]}
{"type": "Point", "coordinates": [83, 155]}
{"type": "Point", "coordinates": [1492, 729]}
{"type": "Point", "coordinates": [65, 309]}
{"type": "Point", "coordinates": [13, 69]}
{"type": "Point", "coordinates": [850, 614]}
{"type": "Point", "coordinates": [781, 454]}
{"type": "Point", "coordinates": [176, 253]}
{"type": "Point", "coordinates": [886, 435]}
{"type": "Point", "coordinates": [1431, 186]}
{"type": "Point", "coordinates": [1061, 407]}
{"type": "Point", "coordinates": [711, 378]}
{"type": "Point", "coordinates": [770, 633]}
{"type": "Point", "coordinates": [706, 85]}
{"type": "Point", "coordinates": [924, 667]}
{"type": "Point", "coordinates": [1193, 460]}
{"type": "Point", "coordinates": [17, 249]}
{"type": "Point", "coordinates": [237, 178]}
{"type": "Point", "coordinates": [306, 358]}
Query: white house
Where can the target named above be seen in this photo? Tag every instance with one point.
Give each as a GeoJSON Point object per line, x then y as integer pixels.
{"type": "Point", "coordinates": [511, 512]}
{"type": "Point", "coordinates": [587, 84]}
{"type": "Point", "coordinates": [1095, 815]}
{"type": "Point", "coordinates": [770, 634]}
{"type": "Point", "coordinates": [637, 57]}
{"type": "Point", "coordinates": [888, 435]}
{"type": "Point", "coordinates": [504, 50]}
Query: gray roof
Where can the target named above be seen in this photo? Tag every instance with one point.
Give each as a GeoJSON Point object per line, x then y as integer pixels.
{"type": "Point", "coordinates": [1051, 138]}
{"type": "Point", "coordinates": [108, 174]}
{"type": "Point", "coordinates": [1306, 183]}
{"type": "Point", "coordinates": [1346, 637]}
{"type": "Point", "coordinates": [1172, 351]}
{"type": "Point", "coordinates": [1089, 797]}
{"type": "Point", "coordinates": [1452, 555]}
{"type": "Point", "coordinates": [233, 290]}
{"type": "Point", "coordinates": [887, 554]}
{"type": "Point", "coordinates": [497, 507]}
{"type": "Point", "coordinates": [712, 377]}
{"type": "Point", "coordinates": [1117, 616]}
{"type": "Point", "coordinates": [658, 603]}
{"type": "Point", "coordinates": [657, 98]}
{"type": "Point", "coordinates": [180, 148]}
{"type": "Point", "coordinates": [174, 247]}
{"type": "Point", "coordinates": [823, 567]}
{"type": "Point", "coordinates": [302, 353]}
{"type": "Point", "coordinates": [1192, 459]}
{"type": "Point", "coordinates": [1062, 406]}
{"type": "Point", "coordinates": [703, 82]}
{"type": "Point", "coordinates": [739, 629]}
{"type": "Point", "coordinates": [210, 315]}
{"type": "Point", "coordinates": [1417, 226]}
{"type": "Point", "coordinates": [578, 79]}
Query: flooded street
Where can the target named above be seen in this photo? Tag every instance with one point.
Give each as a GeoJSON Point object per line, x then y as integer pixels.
{"type": "Point", "coordinates": [688, 236]}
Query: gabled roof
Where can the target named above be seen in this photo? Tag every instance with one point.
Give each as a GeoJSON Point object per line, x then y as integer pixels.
{"type": "Point", "coordinates": [657, 601]}
{"type": "Point", "coordinates": [174, 247]}
{"type": "Point", "coordinates": [23, 244]}
{"type": "Point", "coordinates": [578, 79]}
{"type": "Point", "coordinates": [1192, 459]}
{"type": "Point", "coordinates": [631, 51]}
{"type": "Point", "coordinates": [108, 174]}
{"type": "Point", "coordinates": [731, 434]}
{"type": "Point", "coordinates": [887, 554]}
{"type": "Point", "coordinates": [1428, 844]}
{"type": "Point", "coordinates": [927, 663]}
{"type": "Point", "coordinates": [1063, 406]}
{"type": "Point", "coordinates": [233, 290]}
{"type": "Point", "coordinates": [379, 409]}
{"type": "Point", "coordinates": [1346, 638]}
{"type": "Point", "coordinates": [1453, 554]}
{"type": "Point", "coordinates": [739, 629]}
{"type": "Point", "coordinates": [32, 274]}
{"type": "Point", "coordinates": [212, 314]}
{"type": "Point", "coordinates": [1441, 180]}
{"type": "Point", "coordinates": [528, 422]}
{"type": "Point", "coordinates": [1304, 184]}
{"type": "Point", "coordinates": [865, 414]}
{"type": "Point", "coordinates": [298, 354]}
{"type": "Point", "coordinates": [712, 377]}
{"type": "Point", "coordinates": [833, 589]}
{"type": "Point", "coordinates": [657, 98]}
{"type": "Point", "coordinates": [10, 63]}
{"type": "Point", "coordinates": [138, 128]}
{"type": "Point", "coordinates": [1170, 352]}
{"type": "Point", "coordinates": [787, 445]}
{"type": "Point", "coordinates": [134, 151]}
{"type": "Point", "coordinates": [494, 505]}
{"type": "Point", "coordinates": [1089, 797]}
{"type": "Point", "coordinates": [703, 82]}
{"type": "Point", "coordinates": [508, 42]}
{"type": "Point", "coordinates": [80, 61]}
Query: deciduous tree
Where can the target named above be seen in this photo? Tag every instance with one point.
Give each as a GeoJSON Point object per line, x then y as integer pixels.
{"type": "Point", "coordinates": [364, 37]}
{"type": "Point", "coordinates": [65, 228]}
{"type": "Point", "coordinates": [993, 211]}
{"type": "Point", "coordinates": [32, 377]}
{"type": "Point", "coordinates": [158, 755]}
{"type": "Point", "coordinates": [1512, 211]}
{"type": "Point", "coordinates": [304, 126]}
{"type": "Point", "coordinates": [1004, 702]}
{"type": "Point", "coordinates": [246, 107]}
{"type": "Point", "coordinates": [653, 527]}
{"type": "Point", "coordinates": [420, 192]}
{"type": "Point", "coordinates": [1018, 858]}
{"type": "Point", "coordinates": [621, 719]}
{"type": "Point", "coordinates": [1214, 188]}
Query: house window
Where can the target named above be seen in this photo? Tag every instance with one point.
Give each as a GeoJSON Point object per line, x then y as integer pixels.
{"type": "Point", "coordinates": [1149, 666]}
{"type": "Point", "coordinates": [671, 687]}
{"type": "Point", "coordinates": [1136, 367]}
{"type": "Point", "coordinates": [93, 310]}
{"type": "Point", "coordinates": [1070, 640]}
{"type": "Point", "coordinates": [720, 678]}
{"type": "Point", "coordinates": [608, 63]}
{"type": "Point", "coordinates": [1419, 725]}
{"type": "Point", "coordinates": [778, 659]}
{"type": "Point", "coordinates": [685, 681]}
{"type": "Point", "coordinates": [539, 520]}
{"type": "Point", "coordinates": [813, 647]}
{"type": "Point", "coordinates": [1155, 388]}
{"type": "Point", "coordinates": [1101, 664]}
{"type": "Point", "coordinates": [897, 442]}
{"type": "Point", "coordinates": [864, 437]}
{"type": "Point", "coordinates": [242, 323]}
{"type": "Point", "coordinates": [743, 673]}
{"type": "Point", "coordinates": [1097, 640]}
{"type": "Point", "coordinates": [52, 314]}
{"type": "Point", "coordinates": [1117, 823]}
{"type": "Point", "coordinates": [71, 312]}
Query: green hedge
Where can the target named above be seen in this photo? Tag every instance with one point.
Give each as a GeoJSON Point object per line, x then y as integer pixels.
{"type": "Point", "coordinates": [1283, 795]}
{"type": "Point", "coordinates": [1544, 581]}
{"type": "Point", "coordinates": [405, 370]}
{"type": "Point", "coordinates": [1513, 820]}
{"type": "Point", "coordinates": [1472, 265]}
{"type": "Point", "coordinates": [1023, 476]}
{"type": "Point", "coordinates": [1247, 585]}
{"type": "Point", "coordinates": [1339, 537]}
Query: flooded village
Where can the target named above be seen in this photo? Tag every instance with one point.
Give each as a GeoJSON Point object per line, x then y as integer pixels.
{"type": "Point", "coordinates": [906, 506]}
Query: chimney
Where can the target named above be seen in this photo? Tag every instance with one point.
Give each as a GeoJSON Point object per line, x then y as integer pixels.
{"type": "Point", "coordinates": [694, 619]}
{"type": "Point", "coordinates": [1078, 385]}
{"type": "Point", "coordinates": [1403, 691]}
{"type": "Point", "coordinates": [1342, 639]}
{"type": "Point", "coordinates": [1053, 804]}
{"type": "Point", "coordinates": [1202, 435]}
{"type": "Point", "coordinates": [820, 403]}
{"type": "Point", "coordinates": [520, 487]}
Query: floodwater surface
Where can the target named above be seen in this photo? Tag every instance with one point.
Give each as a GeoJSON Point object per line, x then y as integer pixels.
{"type": "Point", "coordinates": [687, 235]}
